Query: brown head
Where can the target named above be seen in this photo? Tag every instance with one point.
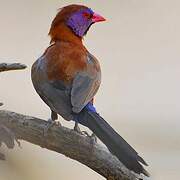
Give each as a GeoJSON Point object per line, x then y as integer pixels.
{"type": "Point", "coordinates": [72, 22]}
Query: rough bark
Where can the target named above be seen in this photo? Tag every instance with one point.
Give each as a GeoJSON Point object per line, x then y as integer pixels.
{"type": "Point", "coordinates": [67, 142]}
{"type": "Point", "coordinates": [13, 66]}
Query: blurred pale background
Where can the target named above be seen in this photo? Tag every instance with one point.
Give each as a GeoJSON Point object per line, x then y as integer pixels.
{"type": "Point", "coordinates": [138, 48]}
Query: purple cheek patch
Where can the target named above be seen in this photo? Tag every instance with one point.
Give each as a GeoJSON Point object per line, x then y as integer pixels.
{"type": "Point", "coordinates": [79, 24]}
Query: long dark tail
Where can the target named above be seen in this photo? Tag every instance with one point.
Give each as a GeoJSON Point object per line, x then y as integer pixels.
{"type": "Point", "coordinates": [114, 142]}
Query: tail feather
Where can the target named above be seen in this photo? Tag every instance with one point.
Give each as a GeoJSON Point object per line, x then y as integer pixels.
{"type": "Point", "coordinates": [114, 142]}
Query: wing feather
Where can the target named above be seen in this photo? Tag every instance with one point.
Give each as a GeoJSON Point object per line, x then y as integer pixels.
{"type": "Point", "coordinates": [85, 85]}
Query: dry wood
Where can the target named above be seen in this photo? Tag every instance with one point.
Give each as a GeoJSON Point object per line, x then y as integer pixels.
{"type": "Point", "coordinates": [67, 142]}
{"type": "Point", "coordinates": [13, 66]}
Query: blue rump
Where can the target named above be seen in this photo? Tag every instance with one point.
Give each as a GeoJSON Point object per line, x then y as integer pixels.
{"type": "Point", "coordinates": [88, 107]}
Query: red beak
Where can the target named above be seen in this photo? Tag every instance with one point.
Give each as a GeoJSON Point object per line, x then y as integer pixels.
{"type": "Point", "coordinates": [97, 18]}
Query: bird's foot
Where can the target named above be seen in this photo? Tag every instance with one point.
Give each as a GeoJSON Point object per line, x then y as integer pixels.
{"type": "Point", "coordinates": [49, 124]}
{"type": "Point", "coordinates": [54, 122]}
{"type": "Point", "coordinates": [92, 137]}
{"type": "Point", "coordinates": [77, 128]}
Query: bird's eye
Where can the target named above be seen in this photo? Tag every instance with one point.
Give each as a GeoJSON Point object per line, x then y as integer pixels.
{"type": "Point", "coordinates": [87, 15]}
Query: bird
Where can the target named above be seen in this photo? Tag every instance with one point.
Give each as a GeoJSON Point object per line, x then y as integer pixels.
{"type": "Point", "coordinates": [67, 77]}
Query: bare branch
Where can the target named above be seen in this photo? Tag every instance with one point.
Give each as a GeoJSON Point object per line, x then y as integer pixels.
{"type": "Point", "coordinates": [14, 66]}
{"type": "Point", "coordinates": [67, 142]}
{"type": "Point", "coordinates": [8, 138]}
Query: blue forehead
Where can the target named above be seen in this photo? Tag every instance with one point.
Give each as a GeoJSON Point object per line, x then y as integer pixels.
{"type": "Point", "coordinates": [88, 10]}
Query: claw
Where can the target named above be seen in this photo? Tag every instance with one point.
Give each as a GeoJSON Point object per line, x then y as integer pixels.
{"type": "Point", "coordinates": [77, 128]}
{"type": "Point", "coordinates": [92, 137]}
{"type": "Point", "coordinates": [86, 133]}
{"type": "Point", "coordinates": [49, 124]}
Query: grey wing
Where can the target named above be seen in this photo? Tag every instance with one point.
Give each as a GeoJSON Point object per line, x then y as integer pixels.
{"type": "Point", "coordinates": [54, 93]}
{"type": "Point", "coordinates": [85, 85]}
